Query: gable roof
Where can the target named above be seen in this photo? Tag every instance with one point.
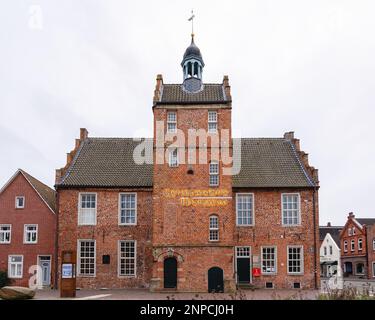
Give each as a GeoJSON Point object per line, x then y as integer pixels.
{"type": "Point", "coordinates": [108, 162]}
{"type": "Point", "coordinates": [366, 221]}
{"type": "Point", "coordinates": [270, 162]}
{"type": "Point", "coordinates": [333, 231]}
{"type": "Point", "coordinates": [47, 194]}
{"type": "Point", "coordinates": [175, 94]}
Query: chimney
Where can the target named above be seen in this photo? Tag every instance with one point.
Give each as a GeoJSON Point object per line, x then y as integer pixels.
{"type": "Point", "coordinates": [329, 224]}
{"type": "Point", "coordinates": [158, 88]}
{"type": "Point", "coordinates": [289, 135]}
{"type": "Point", "coordinates": [83, 134]}
{"type": "Point", "coordinates": [351, 215]}
{"type": "Point", "coordinates": [227, 87]}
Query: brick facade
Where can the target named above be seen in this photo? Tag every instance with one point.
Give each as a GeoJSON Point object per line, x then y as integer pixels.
{"type": "Point", "coordinates": [358, 259]}
{"type": "Point", "coordinates": [34, 212]}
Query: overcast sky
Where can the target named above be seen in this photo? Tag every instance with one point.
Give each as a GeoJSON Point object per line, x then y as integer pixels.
{"type": "Point", "coordinates": [303, 66]}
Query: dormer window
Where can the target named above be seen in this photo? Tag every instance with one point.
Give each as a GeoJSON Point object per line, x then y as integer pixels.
{"type": "Point", "coordinates": [20, 202]}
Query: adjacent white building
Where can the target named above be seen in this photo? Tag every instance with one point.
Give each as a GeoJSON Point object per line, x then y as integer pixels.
{"type": "Point", "coordinates": [330, 251]}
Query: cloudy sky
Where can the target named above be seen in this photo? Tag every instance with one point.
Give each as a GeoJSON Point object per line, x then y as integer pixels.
{"type": "Point", "coordinates": [303, 66]}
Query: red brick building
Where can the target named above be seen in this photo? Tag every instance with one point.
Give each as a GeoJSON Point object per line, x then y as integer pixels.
{"type": "Point", "coordinates": [168, 218]}
{"type": "Point", "coordinates": [358, 247]}
{"type": "Point", "coordinates": [27, 230]}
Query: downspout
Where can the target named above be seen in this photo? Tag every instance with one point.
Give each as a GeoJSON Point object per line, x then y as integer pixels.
{"type": "Point", "coordinates": [56, 281]}
{"type": "Point", "coordinates": [315, 250]}
{"type": "Point", "coordinates": [367, 254]}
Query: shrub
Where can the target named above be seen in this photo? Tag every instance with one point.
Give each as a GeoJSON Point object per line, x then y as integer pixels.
{"type": "Point", "coordinates": [4, 280]}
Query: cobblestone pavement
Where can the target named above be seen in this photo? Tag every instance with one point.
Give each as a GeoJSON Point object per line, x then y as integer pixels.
{"type": "Point", "coordinates": [144, 294]}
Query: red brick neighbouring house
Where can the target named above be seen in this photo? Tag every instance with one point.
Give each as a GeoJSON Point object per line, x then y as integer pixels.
{"type": "Point", "coordinates": [358, 247]}
{"type": "Point", "coordinates": [27, 229]}
{"type": "Point", "coordinates": [187, 225]}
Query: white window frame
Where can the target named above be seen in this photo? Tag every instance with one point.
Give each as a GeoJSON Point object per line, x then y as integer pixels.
{"type": "Point", "coordinates": [214, 173]}
{"type": "Point", "coordinates": [346, 246]}
{"type": "Point", "coordinates": [352, 245]}
{"type": "Point", "coordinates": [212, 121]}
{"type": "Point", "coordinates": [135, 213]}
{"type": "Point", "coordinates": [173, 160]}
{"type": "Point", "coordinates": [301, 260]}
{"type": "Point", "coordinates": [350, 232]}
{"type": "Point", "coordinates": [23, 202]}
{"type": "Point", "coordinates": [4, 232]}
{"type": "Point", "coordinates": [16, 263]}
{"type": "Point", "coordinates": [214, 228]}
{"type": "Point", "coordinates": [119, 260]}
{"type": "Point", "coordinates": [360, 244]}
{"type": "Point", "coordinates": [26, 232]}
{"type": "Point", "coordinates": [80, 212]}
{"type": "Point", "coordinates": [252, 214]}
{"type": "Point", "coordinates": [262, 260]}
{"type": "Point", "coordinates": [353, 231]}
{"type": "Point", "coordinates": [362, 273]}
{"type": "Point", "coordinates": [373, 269]}
{"type": "Point", "coordinates": [172, 121]}
{"type": "Point", "coordinates": [79, 258]}
{"type": "Point", "coordinates": [298, 209]}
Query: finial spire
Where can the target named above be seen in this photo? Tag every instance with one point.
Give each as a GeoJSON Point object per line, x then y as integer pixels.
{"type": "Point", "coordinates": [192, 24]}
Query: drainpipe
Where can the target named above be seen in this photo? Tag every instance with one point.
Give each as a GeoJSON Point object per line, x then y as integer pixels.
{"type": "Point", "coordinates": [315, 250]}
{"type": "Point", "coordinates": [56, 280]}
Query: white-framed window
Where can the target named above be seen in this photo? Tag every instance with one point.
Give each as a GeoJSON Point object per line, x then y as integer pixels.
{"type": "Point", "coordinates": [243, 252]}
{"type": "Point", "coordinates": [20, 202]}
{"type": "Point", "coordinates": [359, 269]}
{"type": "Point", "coordinates": [87, 209]}
{"type": "Point", "coordinates": [5, 233]}
{"type": "Point", "coordinates": [350, 232]}
{"type": "Point", "coordinates": [269, 260]}
{"type": "Point", "coordinates": [325, 250]}
{"type": "Point", "coordinates": [214, 228]}
{"type": "Point", "coordinates": [373, 269]}
{"type": "Point", "coordinates": [86, 258]}
{"type": "Point", "coordinates": [30, 233]}
{"type": "Point", "coordinates": [244, 209]}
{"type": "Point", "coordinates": [353, 232]}
{"type": "Point", "coordinates": [15, 266]}
{"type": "Point", "coordinates": [212, 121]}
{"type": "Point", "coordinates": [359, 244]}
{"type": "Point", "coordinates": [345, 246]}
{"type": "Point", "coordinates": [352, 245]}
{"type": "Point", "coordinates": [295, 259]}
{"type": "Point", "coordinates": [173, 158]}
{"type": "Point", "coordinates": [291, 209]}
{"type": "Point", "coordinates": [330, 250]}
{"type": "Point", "coordinates": [128, 209]}
{"type": "Point", "coordinates": [214, 173]}
{"type": "Point", "coordinates": [127, 258]}
{"type": "Point", "coordinates": [171, 122]}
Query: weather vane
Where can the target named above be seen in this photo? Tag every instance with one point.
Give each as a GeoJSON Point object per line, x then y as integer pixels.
{"type": "Point", "coordinates": [192, 22]}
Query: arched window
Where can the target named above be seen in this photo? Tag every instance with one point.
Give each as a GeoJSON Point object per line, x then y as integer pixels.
{"type": "Point", "coordinates": [190, 71]}
{"type": "Point", "coordinates": [196, 66]}
{"type": "Point", "coordinates": [214, 228]}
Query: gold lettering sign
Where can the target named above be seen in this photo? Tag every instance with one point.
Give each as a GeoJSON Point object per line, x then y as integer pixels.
{"type": "Point", "coordinates": [199, 197]}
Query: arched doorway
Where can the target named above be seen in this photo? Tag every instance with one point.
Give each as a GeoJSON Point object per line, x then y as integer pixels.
{"type": "Point", "coordinates": [170, 273]}
{"type": "Point", "coordinates": [215, 280]}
